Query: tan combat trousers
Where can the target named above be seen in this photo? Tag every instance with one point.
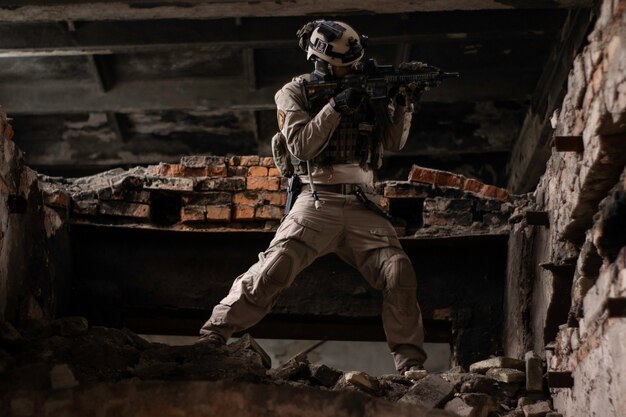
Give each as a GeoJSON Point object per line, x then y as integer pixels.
{"type": "Point", "coordinates": [360, 237]}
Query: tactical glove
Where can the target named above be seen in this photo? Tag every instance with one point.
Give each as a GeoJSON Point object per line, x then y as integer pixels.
{"type": "Point", "coordinates": [347, 101]}
{"type": "Point", "coordinates": [407, 95]}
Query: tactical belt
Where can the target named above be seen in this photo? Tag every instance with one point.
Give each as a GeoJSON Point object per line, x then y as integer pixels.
{"type": "Point", "coordinates": [345, 189]}
{"type": "Point", "coordinates": [358, 190]}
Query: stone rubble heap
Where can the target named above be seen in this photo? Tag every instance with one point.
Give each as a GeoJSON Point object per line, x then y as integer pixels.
{"type": "Point", "coordinates": [214, 193]}
{"type": "Point", "coordinates": [66, 353]}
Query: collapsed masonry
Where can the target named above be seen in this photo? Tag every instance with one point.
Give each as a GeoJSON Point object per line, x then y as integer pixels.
{"type": "Point", "coordinates": [247, 193]}
{"type": "Point", "coordinates": [59, 368]}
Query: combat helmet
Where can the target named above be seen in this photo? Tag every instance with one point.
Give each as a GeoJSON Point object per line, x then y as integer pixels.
{"type": "Point", "coordinates": [335, 43]}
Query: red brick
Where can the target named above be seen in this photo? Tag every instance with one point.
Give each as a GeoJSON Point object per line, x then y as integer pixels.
{"type": "Point", "coordinates": [262, 183]}
{"type": "Point", "coordinates": [233, 160]}
{"type": "Point", "coordinates": [202, 161]}
{"type": "Point", "coordinates": [267, 212]}
{"type": "Point", "coordinates": [56, 198]}
{"type": "Point", "coordinates": [243, 212]}
{"type": "Point", "coordinates": [206, 199]}
{"type": "Point", "coordinates": [502, 194]}
{"type": "Point", "coordinates": [249, 160]}
{"type": "Point", "coordinates": [169, 170]}
{"type": "Point", "coordinates": [193, 214]}
{"type": "Point", "coordinates": [435, 177]}
{"type": "Point", "coordinates": [423, 175]}
{"type": "Point", "coordinates": [237, 171]}
{"type": "Point", "coordinates": [484, 190]}
{"type": "Point", "coordinates": [257, 171]}
{"type": "Point", "coordinates": [124, 209]}
{"type": "Point", "coordinates": [472, 185]}
{"type": "Point", "coordinates": [284, 183]}
{"type": "Point", "coordinates": [448, 179]}
{"type": "Point", "coordinates": [172, 184]}
{"type": "Point", "coordinates": [246, 197]}
{"type": "Point", "coordinates": [208, 171]}
{"type": "Point", "coordinates": [496, 193]}
{"type": "Point", "coordinates": [218, 213]}
{"type": "Point", "coordinates": [222, 184]}
{"type": "Point", "coordinates": [404, 190]}
{"type": "Point", "coordinates": [274, 172]}
{"type": "Point", "coordinates": [276, 198]}
{"type": "Point", "coordinates": [267, 161]}
{"type": "Point", "coordinates": [489, 191]}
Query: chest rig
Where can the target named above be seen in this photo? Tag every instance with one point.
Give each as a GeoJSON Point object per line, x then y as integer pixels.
{"type": "Point", "coordinates": [354, 141]}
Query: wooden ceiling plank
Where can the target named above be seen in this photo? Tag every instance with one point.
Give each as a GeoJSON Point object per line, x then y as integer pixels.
{"type": "Point", "coordinates": [81, 10]}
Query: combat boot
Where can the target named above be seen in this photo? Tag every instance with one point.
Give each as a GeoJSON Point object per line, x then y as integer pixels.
{"type": "Point", "coordinates": [212, 339]}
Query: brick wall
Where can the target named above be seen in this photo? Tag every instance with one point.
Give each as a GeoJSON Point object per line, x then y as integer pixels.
{"type": "Point", "coordinates": [28, 237]}
{"type": "Point", "coordinates": [563, 270]}
{"type": "Point", "coordinates": [247, 193]}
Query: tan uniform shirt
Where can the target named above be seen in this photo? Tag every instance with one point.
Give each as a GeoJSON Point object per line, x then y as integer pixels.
{"type": "Point", "coordinates": [308, 136]}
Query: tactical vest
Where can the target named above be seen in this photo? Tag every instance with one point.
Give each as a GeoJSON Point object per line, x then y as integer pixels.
{"type": "Point", "coordinates": [354, 141]}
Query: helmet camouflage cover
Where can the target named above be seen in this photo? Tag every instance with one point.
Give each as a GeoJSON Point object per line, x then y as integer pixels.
{"type": "Point", "coordinates": [336, 43]}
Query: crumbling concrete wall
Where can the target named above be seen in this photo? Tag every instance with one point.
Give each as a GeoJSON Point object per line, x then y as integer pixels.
{"type": "Point", "coordinates": [33, 246]}
{"type": "Point", "coordinates": [566, 278]}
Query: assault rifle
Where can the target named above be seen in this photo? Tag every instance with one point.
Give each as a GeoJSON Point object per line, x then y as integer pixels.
{"type": "Point", "coordinates": [380, 83]}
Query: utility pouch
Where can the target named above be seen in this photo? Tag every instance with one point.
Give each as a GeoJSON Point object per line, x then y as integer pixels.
{"type": "Point", "coordinates": [293, 190]}
{"type": "Point", "coordinates": [282, 159]}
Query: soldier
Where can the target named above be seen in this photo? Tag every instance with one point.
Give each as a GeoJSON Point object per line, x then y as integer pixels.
{"type": "Point", "coordinates": [335, 146]}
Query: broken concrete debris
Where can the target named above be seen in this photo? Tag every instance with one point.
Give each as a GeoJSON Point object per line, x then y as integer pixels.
{"type": "Point", "coordinates": [538, 409]}
{"type": "Point", "coordinates": [362, 381]}
{"type": "Point", "coordinates": [416, 375]}
{"type": "Point", "coordinates": [534, 372]}
{"type": "Point", "coordinates": [324, 375]}
{"type": "Point", "coordinates": [506, 375]}
{"type": "Point", "coordinates": [500, 362]}
{"type": "Point", "coordinates": [458, 406]}
{"type": "Point", "coordinates": [71, 355]}
{"type": "Point", "coordinates": [431, 392]}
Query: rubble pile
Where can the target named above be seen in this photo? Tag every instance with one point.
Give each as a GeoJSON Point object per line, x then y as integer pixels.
{"type": "Point", "coordinates": [43, 359]}
{"type": "Point", "coordinates": [214, 193]}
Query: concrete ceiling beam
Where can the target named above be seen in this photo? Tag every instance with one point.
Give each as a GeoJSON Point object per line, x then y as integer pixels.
{"type": "Point", "coordinates": [85, 10]}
